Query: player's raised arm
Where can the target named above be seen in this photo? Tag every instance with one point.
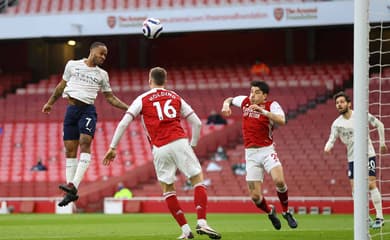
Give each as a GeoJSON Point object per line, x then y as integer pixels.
{"type": "Point", "coordinates": [133, 111]}
{"type": "Point", "coordinates": [375, 122]}
{"type": "Point", "coordinates": [279, 119]}
{"type": "Point", "coordinates": [54, 97]}
{"type": "Point", "coordinates": [119, 131]}
{"type": "Point", "coordinates": [196, 124]}
{"type": "Point", "coordinates": [332, 139]}
{"type": "Point", "coordinates": [276, 114]}
{"type": "Point", "coordinates": [114, 101]}
{"type": "Point", "coordinates": [226, 111]}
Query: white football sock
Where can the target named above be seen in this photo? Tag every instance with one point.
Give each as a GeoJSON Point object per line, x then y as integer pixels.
{"type": "Point", "coordinates": [85, 159]}
{"type": "Point", "coordinates": [186, 228]}
{"type": "Point", "coordinates": [70, 169]}
{"type": "Point", "coordinates": [202, 222]}
{"type": "Point", "coordinates": [376, 199]}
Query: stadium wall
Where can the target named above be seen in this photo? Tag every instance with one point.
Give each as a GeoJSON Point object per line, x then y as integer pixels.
{"type": "Point", "coordinates": [234, 205]}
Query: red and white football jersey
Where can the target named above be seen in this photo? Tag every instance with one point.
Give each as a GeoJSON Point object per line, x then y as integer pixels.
{"type": "Point", "coordinates": [257, 128]}
{"type": "Point", "coordinates": [161, 111]}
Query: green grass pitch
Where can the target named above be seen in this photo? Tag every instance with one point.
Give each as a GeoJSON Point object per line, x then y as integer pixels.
{"type": "Point", "coordinates": [163, 227]}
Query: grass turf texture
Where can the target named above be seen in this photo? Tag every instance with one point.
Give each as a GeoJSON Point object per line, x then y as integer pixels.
{"type": "Point", "coordinates": [162, 226]}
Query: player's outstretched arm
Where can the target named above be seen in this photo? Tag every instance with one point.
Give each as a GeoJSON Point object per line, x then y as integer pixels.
{"type": "Point", "coordinates": [196, 125]}
{"type": "Point", "coordinates": [375, 122]}
{"type": "Point", "coordinates": [119, 131]}
{"type": "Point", "coordinates": [109, 156]}
{"type": "Point", "coordinates": [328, 146]}
{"type": "Point", "coordinates": [188, 113]}
{"type": "Point", "coordinates": [226, 110]}
{"type": "Point", "coordinates": [114, 101]}
{"type": "Point", "coordinates": [327, 149]}
{"type": "Point", "coordinates": [54, 97]}
{"type": "Point", "coordinates": [332, 139]}
{"type": "Point", "coordinates": [276, 118]}
{"type": "Point", "coordinates": [381, 133]}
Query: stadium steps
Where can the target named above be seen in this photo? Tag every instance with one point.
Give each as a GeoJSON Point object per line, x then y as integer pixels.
{"type": "Point", "coordinates": [10, 82]}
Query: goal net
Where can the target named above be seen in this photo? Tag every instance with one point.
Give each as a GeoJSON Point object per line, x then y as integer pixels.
{"type": "Point", "coordinates": [379, 106]}
{"type": "Point", "coordinates": [372, 72]}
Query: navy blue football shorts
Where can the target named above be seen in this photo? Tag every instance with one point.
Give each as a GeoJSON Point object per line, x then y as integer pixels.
{"type": "Point", "coordinates": [371, 168]}
{"type": "Point", "coordinates": [79, 119]}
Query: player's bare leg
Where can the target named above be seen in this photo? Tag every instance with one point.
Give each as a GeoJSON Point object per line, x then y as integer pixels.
{"type": "Point", "coordinates": [257, 197]}
{"type": "Point", "coordinates": [282, 191]}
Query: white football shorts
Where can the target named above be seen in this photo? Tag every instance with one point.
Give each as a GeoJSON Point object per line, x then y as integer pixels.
{"type": "Point", "coordinates": [175, 155]}
{"type": "Point", "coordinates": [258, 160]}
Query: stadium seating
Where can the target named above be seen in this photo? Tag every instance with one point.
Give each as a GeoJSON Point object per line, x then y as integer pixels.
{"type": "Point", "coordinates": [10, 82]}
{"type": "Point", "coordinates": [309, 172]}
{"type": "Point", "coordinates": [224, 77]}
{"type": "Point", "coordinates": [22, 144]}
{"type": "Point", "coordinates": [32, 135]}
{"type": "Point", "coordinates": [195, 83]}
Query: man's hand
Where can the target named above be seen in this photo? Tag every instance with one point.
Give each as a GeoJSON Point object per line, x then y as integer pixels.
{"type": "Point", "coordinates": [383, 149]}
{"type": "Point", "coordinates": [109, 157]}
{"type": "Point", "coordinates": [327, 150]}
{"type": "Point", "coordinates": [257, 108]}
{"type": "Point", "coordinates": [226, 111]}
{"type": "Point", "coordinates": [46, 108]}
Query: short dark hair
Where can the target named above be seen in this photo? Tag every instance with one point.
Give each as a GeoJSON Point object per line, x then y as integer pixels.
{"type": "Point", "coordinates": [261, 85]}
{"type": "Point", "coordinates": [158, 75]}
{"type": "Point", "coordinates": [97, 44]}
{"type": "Point", "coordinates": [341, 94]}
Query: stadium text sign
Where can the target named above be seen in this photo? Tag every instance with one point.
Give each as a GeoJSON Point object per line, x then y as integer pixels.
{"type": "Point", "coordinates": [183, 20]}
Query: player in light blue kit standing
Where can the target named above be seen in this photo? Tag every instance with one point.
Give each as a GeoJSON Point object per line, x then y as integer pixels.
{"type": "Point", "coordinates": [82, 79]}
{"type": "Point", "coordinates": [342, 128]}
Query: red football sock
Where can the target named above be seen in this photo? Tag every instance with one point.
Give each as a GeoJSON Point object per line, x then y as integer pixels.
{"type": "Point", "coordinates": [200, 200]}
{"type": "Point", "coordinates": [174, 208]}
{"type": "Point", "coordinates": [263, 205]}
{"type": "Point", "coordinates": [283, 198]}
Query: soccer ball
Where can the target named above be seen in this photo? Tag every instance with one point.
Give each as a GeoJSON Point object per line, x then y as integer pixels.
{"type": "Point", "coordinates": [152, 28]}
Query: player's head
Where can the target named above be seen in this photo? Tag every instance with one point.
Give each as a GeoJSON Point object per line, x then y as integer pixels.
{"type": "Point", "coordinates": [97, 53]}
{"type": "Point", "coordinates": [343, 102]}
{"type": "Point", "coordinates": [259, 92]}
{"type": "Point", "coordinates": [157, 77]}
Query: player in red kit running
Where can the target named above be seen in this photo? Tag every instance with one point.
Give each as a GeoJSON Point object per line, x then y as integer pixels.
{"type": "Point", "coordinates": [161, 111]}
{"type": "Point", "coordinates": [258, 120]}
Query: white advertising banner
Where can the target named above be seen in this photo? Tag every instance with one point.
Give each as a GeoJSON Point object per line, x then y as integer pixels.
{"type": "Point", "coordinates": [184, 20]}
